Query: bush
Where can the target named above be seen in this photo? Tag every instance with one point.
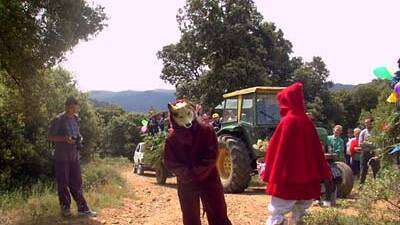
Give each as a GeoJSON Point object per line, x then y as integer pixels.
{"type": "Point", "coordinates": [103, 183]}
{"type": "Point", "coordinates": [329, 216]}
{"type": "Point", "coordinates": [378, 204]}
{"type": "Point", "coordinates": [154, 149]}
{"type": "Point", "coordinates": [100, 173]}
{"type": "Point", "coordinates": [26, 154]}
{"type": "Point", "coordinates": [122, 135]}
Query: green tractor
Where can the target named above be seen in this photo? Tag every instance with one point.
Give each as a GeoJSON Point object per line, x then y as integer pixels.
{"type": "Point", "coordinates": [248, 115]}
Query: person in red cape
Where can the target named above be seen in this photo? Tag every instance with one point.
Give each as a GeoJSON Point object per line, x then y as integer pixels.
{"type": "Point", "coordinates": [191, 151]}
{"type": "Point", "coordinates": [295, 161]}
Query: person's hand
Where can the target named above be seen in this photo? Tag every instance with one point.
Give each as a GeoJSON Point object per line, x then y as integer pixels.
{"type": "Point", "coordinates": [70, 141]}
{"type": "Point", "coordinates": [199, 109]}
{"type": "Point", "coordinates": [358, 149]}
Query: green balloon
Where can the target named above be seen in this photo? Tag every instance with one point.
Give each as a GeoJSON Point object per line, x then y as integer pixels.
{"type": "Point", "coordinates": [382, 73]}
{"type": "Point", "coordinates": [145, 122]}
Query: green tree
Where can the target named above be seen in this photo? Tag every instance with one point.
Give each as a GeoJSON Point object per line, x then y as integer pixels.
{"type": "Point", "coordinates": [122, 135]}
{"type": "Point", "coordinates": [108, 112]}
{"type": "Point", "coordinates": [36, 34]}
{"type": "Point", "coordinates": [225, 45]}
{"type": "Point", "coordinates": [314, 76]}
{"type": "Point", "coordinates": [362, 98]}
{"type": "Point", "coordinates": [23, 161]}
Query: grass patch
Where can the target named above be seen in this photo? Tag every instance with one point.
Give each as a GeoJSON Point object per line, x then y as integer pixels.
{"type": "Point", "coordinates": [104, 186]}
{"type": "Point", "coordinates": [256, 181]}
{"type": "Point", "coordinates": [376, 203]}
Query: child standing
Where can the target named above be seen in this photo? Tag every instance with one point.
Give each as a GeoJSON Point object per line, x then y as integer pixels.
{"type": "Point", "coordinates": [295, 161]}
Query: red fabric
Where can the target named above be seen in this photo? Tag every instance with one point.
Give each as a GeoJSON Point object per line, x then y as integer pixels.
{"type": "Point", "coordinates": [353, 145]}
{"type": "Point", "coordinates": [295, 161]}
{"type": "Point", "coordinates": [191, 154]}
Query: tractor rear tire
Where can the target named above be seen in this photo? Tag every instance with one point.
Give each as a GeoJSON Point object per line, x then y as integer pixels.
{"type": "Point", "coordinates": [236, 177]}
{"type": "Point", "coordinates": [344, 189]}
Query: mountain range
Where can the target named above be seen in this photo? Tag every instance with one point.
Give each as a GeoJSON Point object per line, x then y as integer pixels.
{"type": "Point", "coordinates": [136, 101]}
{"type": "Point", "coordinates": [142, 101]}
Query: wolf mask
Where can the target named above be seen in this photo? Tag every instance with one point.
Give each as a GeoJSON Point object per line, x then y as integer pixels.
{"type": "Point", "coordinates": [182, 113]}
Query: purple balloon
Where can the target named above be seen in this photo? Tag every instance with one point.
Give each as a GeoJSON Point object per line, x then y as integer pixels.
{"type": "Point", "coordinates": [397, 89]}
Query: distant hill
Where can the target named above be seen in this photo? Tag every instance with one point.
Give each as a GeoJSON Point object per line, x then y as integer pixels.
{"type": "Point", "coordinates": [142, 101]}
{"type": "Point", "coordinates": [136, 101]}
{"type": "Point", "coordinates": [338, 86]}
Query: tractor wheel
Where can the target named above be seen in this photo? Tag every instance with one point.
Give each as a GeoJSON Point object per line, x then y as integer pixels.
{"type": "Point", "coordinates": [140, 169]}
{"type": "Point", "coordinates": [344, 189]}
{"type": "Point", "coordinates": [233, 164]}
{"type": "Point", "coordinates": [161, 175]}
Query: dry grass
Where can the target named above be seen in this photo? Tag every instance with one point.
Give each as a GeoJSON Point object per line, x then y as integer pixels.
{"type": "Point", "coordinates": [104, 187]}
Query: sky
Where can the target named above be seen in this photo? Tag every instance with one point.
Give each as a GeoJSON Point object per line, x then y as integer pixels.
{"type": "Point", "coordinates": [352, 37]}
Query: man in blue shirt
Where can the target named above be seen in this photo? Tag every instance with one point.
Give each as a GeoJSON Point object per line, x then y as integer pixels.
{"type": "Point", "coordinates": [64, 132]}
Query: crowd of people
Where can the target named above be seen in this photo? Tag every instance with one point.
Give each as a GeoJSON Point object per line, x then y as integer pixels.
{"type": "Point", "coordinates": [356, 148]}
{"type": "Point", "coordinates": [160, 122]}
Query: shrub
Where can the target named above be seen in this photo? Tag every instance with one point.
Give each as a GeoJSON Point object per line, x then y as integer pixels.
{"type": "Point", "coordinates": [103, 183]}
{"type": "Point", "coordinates": [100, 173]}
{"type": "Point", "coordinates": [154, 150]}
{"type": "Point", "coordinates": [378, 204]}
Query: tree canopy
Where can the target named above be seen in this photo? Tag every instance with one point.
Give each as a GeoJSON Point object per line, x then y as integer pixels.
{"type": "Point", "coordinates": [36, 34]}
{"type": "Point", "coordinates": [225, 46]}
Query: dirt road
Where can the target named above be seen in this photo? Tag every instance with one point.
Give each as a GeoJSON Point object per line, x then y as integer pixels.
{"type": "Point", "coordinates": [156, 204]}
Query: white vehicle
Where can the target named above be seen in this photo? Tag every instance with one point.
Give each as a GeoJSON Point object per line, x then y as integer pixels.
{"type": "Point", "coordinates": [138, 164]}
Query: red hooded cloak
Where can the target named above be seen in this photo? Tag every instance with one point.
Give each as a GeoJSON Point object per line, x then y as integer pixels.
{"type": "Point", "coordinates": [295, 161]}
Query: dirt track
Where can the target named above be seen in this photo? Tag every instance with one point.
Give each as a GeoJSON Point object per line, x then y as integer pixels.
{"type": "Point", "coordinates": [156, 204]}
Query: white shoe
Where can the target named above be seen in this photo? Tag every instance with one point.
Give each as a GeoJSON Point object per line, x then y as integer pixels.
{"type": "Point", "coordinates": [326, 203]}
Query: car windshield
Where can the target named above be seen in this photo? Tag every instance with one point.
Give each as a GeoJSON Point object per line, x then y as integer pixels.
{"type": "Point", "coordinates": [267, 109]}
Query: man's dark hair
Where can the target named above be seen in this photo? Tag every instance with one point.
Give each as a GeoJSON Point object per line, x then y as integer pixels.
{"type": "Point", "coordinates": [398, 61]}
{"type": "Point", "coordinates": [370, 118]}
{"type": "Point", "coordinates": [71, 101]}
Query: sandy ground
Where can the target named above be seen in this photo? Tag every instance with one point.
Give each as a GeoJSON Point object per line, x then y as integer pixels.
{"type": "Point", "coordinates": [156, 204]}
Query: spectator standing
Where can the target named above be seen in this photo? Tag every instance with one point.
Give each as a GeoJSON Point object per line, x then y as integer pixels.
{"type": "Point", "coordinates": [368, 148]}
{"type": "Point", "coordinates": [355, 152]}
{"type": "Point", "coordinates": [336, 143]}
{"type": "Point", "coordinates": [349, 137]}
{"type": "Point", "coordinates": [64, 132]}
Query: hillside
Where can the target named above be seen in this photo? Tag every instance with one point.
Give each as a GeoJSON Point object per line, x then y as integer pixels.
{"type": "Point", "coordinates": [338, 86]}
{"type": "Point", "coordinates": [142, 101]}
{"type": "Point", "coordinates": [136, 101]}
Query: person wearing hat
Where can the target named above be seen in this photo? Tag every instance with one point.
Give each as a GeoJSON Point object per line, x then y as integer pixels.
{"type": "Point", "coordinates": [216, 122]}
{"type": "Point", "coordinates": [64, 132]}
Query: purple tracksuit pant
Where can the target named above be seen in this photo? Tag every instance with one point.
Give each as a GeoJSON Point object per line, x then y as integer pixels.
{"type": "Point", "coordinates": [69, 177]}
